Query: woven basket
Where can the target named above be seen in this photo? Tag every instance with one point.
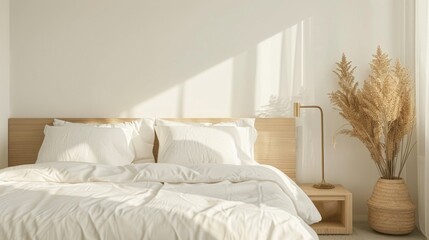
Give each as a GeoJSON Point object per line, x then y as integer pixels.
{"type": "Point", "coordinates": [390, 209]}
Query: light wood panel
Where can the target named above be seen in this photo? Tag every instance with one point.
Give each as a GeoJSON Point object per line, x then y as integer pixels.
{"type": "Point", "coordinates": [275, 145]}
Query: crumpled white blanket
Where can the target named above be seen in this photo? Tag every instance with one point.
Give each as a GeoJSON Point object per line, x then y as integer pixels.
{"type": "Point", "coordinates": [70, 200]}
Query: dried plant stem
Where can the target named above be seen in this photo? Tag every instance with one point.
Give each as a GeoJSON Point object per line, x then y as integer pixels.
{"type": "Point", "coordinates": [405, 153]}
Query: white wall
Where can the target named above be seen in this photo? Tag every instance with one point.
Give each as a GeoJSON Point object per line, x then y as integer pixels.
{"type": "Point", "coordinates": [134, 58]}
{"type": "Point", "coordinates": [4, 79]}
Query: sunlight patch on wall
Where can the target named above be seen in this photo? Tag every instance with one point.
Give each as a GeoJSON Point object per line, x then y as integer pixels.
{"type": "Point", "coordinates": [204, 95]}
{"type": "Point", "coordinates": [268, 69]}
{"type": "Point", "coordinates": [280, 72]}
{"type": "Point", "coordinates": [262, 81]}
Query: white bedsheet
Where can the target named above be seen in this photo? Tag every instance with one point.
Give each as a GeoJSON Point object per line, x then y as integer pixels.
{"type": "Point", "coordinates": [152, 201]}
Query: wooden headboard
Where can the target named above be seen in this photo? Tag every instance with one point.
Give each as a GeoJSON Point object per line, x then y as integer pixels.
{"type": "Point", "coordinates": [275, 145]}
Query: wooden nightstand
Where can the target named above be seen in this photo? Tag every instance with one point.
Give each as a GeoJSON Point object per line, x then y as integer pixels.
{"type": "Point", "coordinates": [335, 206]}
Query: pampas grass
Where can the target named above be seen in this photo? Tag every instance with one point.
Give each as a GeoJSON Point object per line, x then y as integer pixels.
{"type": "Point", "coordinates": [381, 113]}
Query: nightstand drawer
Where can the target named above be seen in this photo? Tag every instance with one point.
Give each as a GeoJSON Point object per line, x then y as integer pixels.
{"type": "Point", "coordinates": [335, 207]}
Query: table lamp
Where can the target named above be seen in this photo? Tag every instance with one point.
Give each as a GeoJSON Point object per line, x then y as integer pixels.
{"type": "Point", "coordinates": [296, 112]}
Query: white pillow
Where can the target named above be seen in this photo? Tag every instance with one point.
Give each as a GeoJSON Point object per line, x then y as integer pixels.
{"type": "Point", "coordinates": [242, 122]}
{"type": "Point", "coordinates": [86, 144]}
{"type": "Point", "coordinates": [204, 144]}
{"type": "Point", "coordinates": [143, 136]}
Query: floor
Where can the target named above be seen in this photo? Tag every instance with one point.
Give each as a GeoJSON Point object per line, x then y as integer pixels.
{"type": "Point", "coordinates": [361, 231]}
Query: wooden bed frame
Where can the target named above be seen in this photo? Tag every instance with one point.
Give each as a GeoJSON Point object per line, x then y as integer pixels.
{"type": "Point", "coordinates": [275, 145]}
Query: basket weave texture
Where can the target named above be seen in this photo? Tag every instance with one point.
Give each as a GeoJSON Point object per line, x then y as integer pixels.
{"type": "Point", "coordinates": [390, 209]}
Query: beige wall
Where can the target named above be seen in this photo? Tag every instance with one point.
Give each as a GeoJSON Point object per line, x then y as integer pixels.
{"type": "Point", "coordinates": [106, 58]}
{"type": "Point", "coordinates": [4, 79]}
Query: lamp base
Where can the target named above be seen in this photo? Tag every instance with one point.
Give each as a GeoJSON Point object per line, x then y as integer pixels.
{"type": "Point", "coordinates": [323, 185]}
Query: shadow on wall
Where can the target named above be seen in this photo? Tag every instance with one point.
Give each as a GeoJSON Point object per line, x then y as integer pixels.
{"type": "Point", "coordinates": [277, 106]}
{"type": "Point", "coordinates": [141, 58]}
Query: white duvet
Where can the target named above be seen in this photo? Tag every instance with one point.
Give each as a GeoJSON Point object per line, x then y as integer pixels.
{"type": "Point", "coordinates": [152, 201]}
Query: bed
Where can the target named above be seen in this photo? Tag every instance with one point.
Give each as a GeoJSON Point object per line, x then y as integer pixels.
{"type": "Point", "coordinates": [156, 200]}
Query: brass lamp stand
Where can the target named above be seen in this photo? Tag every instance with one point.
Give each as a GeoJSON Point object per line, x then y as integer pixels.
{"type": "Point", "coordinates": [296, 112]}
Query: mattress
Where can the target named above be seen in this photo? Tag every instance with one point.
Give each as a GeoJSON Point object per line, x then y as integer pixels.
{"type": "Point", "coordinates": [71, 200]}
